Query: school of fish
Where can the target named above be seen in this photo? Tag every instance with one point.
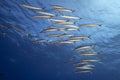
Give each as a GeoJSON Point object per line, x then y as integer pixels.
{"type": "Point", "coordinates": [86, 64]}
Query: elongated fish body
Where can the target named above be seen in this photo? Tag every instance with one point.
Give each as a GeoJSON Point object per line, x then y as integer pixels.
{"type": "Point", "coordinates": [70, 17]}
{"type": "Point", "coordinates": [62, 29]}
{"type": "Point", "coordinates": [83, 71]}
{"type": "Point", "coordinates": [88, 54]}
{"type": "Point", "coordinates": [74, 40]}
{"type": "Point", "coordinates": [90, 60]}
{"type": "Point", "coordinates": [84, 67]}
{"type": "Point", "coordinates": [71, 29]}
{"type": "Point", "coordinates": [80, 63]}
{"type": "Point", "coordinates": [60, 35]}
{"type": "Point", "coordinates": [80, 37]}
{"type": "Point", "coordinates": [20, 30]}
{"type": "Point", "coordinates": [64, 10]}
{"type": "Point", "coordinates": [49, 30]}
{"type": "Point", "coordinates": [58, 20]}
{"type": "Point", "coordinates": [83, 47]}
{"type": "Point", "coordinates": [30, 7]}
{"type": "Point", "coordinates": [90, 25]}
{"type": "Point", "coordinates": [52, 27]}
{"type": "Point", "coordinates": [47, 17]}
{"type": "Point", "coordinates": [65, 42]}
{"type": "Point", "coordinates": [65, 23]}
{"type": "Point", "coordinates": [39, 41]}
{"type": "Point", "coordinates": [72, 26]}
{"type": "Point", "coordinates": [46, 13]}
{"type": "Point", "coordinates": [57, 7]}
{"type": "Point", "coordinates": [89, 65]}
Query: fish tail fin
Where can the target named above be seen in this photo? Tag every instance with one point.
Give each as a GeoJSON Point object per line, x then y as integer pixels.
{"type": "Point", "coordinates": [89, 36]}
{"type": "Point", "coordinates": [73, 10]}
{"type": "Point", "coordinates": [100, 24]}
{"type": "Point", "coordinates": [78, 29]}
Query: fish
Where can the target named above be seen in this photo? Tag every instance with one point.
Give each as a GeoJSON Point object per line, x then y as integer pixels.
{"type": "Point", "coordinates": [83, 47]}
{"type": "Point", "coordinates": [82, 71]}
{"type": "Point", "coordinates": [84, 67]}
{"type": "Point", "coordinates": [47, 17]}
{"type": "Point", "coordinates": [46, 13]}
{"type": "Point", "coordinates": [71, 29]}
{"type": "Point", "coordinates": [90, 60]}
{"type": "Point", "coordinates": [89, 65]}
{"type": "Point", "coordinates": [58, 20]}
{"type": "Point", "coordinates": [88, 53]}
{"type": "Point", "coordinates": [80, 63]}
{"type": "Point", "coordinates": [19, 30]}
{"type": "Point", "coordinates": [57, 7]}
{"type": "Point", "coordinates": [51, 27]}
{"type": "Point", "coordinates": [30, 7]}
{"type": "Point", "coordinates": [64, 10]}
{"type": "Point", "coordinates": [72, 26]}
{"type": "Point", "coordinates": [65, 23]}
{"type": "Point", "coordinates": [39, 41]}
{"type": "Point", "coordinates": [90, 25]}
{"type": "Point", "coordinates": [60, 35]}
{"type": "Point", "coordinates": [75, 40]}
{"type": "Point", "coordinates": [65, 42]}
{"type": "Point", "coordinates": [58, 28]}
{"type": "Point", "coordinates": [80, 37]}
{"type": "Point", "coordinates": [70, 17]}
{"type": "Point", "coordinates": [49, 30]}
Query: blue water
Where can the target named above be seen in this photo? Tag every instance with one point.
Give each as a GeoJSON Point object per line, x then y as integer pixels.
{"type": "Point", "coordinates": [20, 59]}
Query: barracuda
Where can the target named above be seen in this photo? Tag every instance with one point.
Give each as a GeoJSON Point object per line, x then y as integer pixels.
{"type": "Point", "coordinates": [30, 7]}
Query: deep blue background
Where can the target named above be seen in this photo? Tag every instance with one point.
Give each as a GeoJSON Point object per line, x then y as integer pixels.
{"type": "Point", "coordinates": [22, 60]}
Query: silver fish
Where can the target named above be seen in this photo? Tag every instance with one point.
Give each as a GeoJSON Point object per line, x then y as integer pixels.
{"type": "Point", "coordinates": [64, 10]}
{"type": "Point", "coordinates": [82, 71]}
{"type": "Point", "coordinates": [57, 7]}
{"type": "Point", "coordinates": [84, 67]}
{"type": "Point", "coordinates": [88, 53]}
{"type": "Point", "coordinates": [46, 13]}
{"type": "Point", "coordinates": [65, 23]}
{"type": "Point", "coordinates": [49, 30]}
{"type": "Point", "coordinates": [60, 35]}
{"type": "Point", "coordinates": [71, 29]}
{"type": "Point", "coordinates": [90, 60]}
{"type": "Point", "coordinates": [58, 20]}
{"type": "Point", "coordinates": [80, 37]}
{"type": "Point", "coordinates": [65, 42]}
{"type": "Point", "coordinates": [72, 26]}
{"type": "Point", "coordinates": [90, 25]}
{"type": "Point", "coordinates": [83, 47]}
{"type": "Point", "coordinates": [39, 41]}
{"type": "Point", "coordinates": [47, 17]}
{"type": "Point", "coordinates": [19, 30]}
{"type": "Point", "coordinates": [70, 17]}
{"type": "Point", "coordinates": [30, 7]}
{"type": "Point", "coordinates": [80, 63]}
